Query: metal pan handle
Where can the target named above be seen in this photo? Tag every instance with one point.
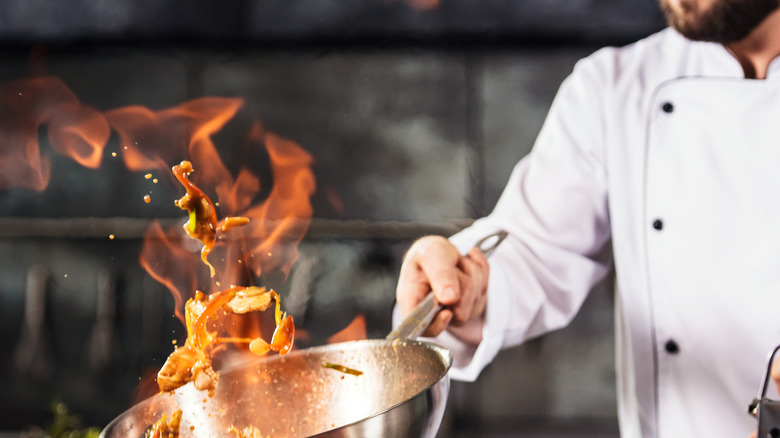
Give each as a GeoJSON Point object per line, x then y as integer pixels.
{"type": "Point", "coordinates": [421, 316]}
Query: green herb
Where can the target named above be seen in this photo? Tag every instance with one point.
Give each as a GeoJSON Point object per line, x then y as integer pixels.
{"type": "Point", "coordinates": [66, 425]}
{"type": "Point", "coordinates": [193, 220]}
{"type": "Point", "coordinates": [341, 368]}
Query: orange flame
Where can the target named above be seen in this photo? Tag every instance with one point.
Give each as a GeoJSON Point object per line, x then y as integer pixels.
{"type": "Point", "coordinates": [155, 140]}
{"type": "Point", "coordinates": [283, 219]}
{"type": "Point", "coordinates": [354, 331]}
{"type": "Point", "coordinates": [168, 262]}
{"type": "Point", "coordinates": [159, 139]}
{"type": "Point", "coordinates": [277, 223]}
{"type": "Point", "coordinates": [74, 130]}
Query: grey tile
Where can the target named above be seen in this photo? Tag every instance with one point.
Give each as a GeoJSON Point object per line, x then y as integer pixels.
{"type": "Point", "coordinates": [517, 90]}
{"type": "Point", "coordinates": [387, 131]}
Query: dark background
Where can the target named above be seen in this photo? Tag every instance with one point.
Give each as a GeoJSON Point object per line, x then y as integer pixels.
{"type": "Point", "coordinates": [414, 116]}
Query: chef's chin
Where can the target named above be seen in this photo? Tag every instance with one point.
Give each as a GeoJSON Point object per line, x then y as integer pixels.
{"type": "Point", "coordinates": [719, 21]}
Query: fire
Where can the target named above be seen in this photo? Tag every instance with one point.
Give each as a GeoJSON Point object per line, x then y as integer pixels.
{"type": "Point", "coordinates": [159, 139]}
{"type": "Point", "coordinates": [167, 261]}
{"type": "Point", "coordinates": [74, 130]}
{"type": "Point", "coordinates": [268, 243]}
{"type": "Point", "coordinates": [284, 218]}
{"type": "Point", "coordinates": [354, 331]}
{"type": "Point", "coordinates": [154, 140]}
{"type": "Point", "coordinates": [266, 238]}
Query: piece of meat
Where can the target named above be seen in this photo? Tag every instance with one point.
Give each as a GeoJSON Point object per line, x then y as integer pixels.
{"type": "Point", "coordinates": [202, 223]}
{"type": "Point", "coordinates": [192, 361]}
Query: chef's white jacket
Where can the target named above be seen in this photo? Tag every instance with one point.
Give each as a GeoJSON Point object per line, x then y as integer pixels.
{"type": "Point", "coordinates": [661, 160]}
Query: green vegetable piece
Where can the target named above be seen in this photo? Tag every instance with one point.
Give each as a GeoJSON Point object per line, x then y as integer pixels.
{"type": "Point", "coordinates": [342, 368]}
{"type": "Point", "coordinates": [193, 220]}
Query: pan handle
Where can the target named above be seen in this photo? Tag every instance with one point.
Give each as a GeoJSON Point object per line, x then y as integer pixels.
{"type": "Point", "coordinates": [423, 313]}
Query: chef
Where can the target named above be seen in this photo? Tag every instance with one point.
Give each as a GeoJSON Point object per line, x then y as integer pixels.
{"type": "Point", "coordinates": [660, 160]}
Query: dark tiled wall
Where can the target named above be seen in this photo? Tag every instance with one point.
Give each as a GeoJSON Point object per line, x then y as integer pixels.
{"type": "Point", "coordinates": [341, 20]}
{"type": "Point", "coordinates": [409, 139]}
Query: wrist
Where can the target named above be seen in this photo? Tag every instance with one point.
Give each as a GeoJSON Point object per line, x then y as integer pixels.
{"type": "Point", "coordinates": [471, 331]}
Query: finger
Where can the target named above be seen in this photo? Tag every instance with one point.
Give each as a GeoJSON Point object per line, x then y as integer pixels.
{"type": "Point", "coordinates": [478, 257]}
{"type": "Point", "coordinates": [438, 324]}
{"type": "Point", "coordinates": [480, 273]}
{"type": "Point", "coordinates": [429, 264]}
{"type": "Point", "coordinates": [412, 286]}
{"type": "Point", "coordinates": [462, 308]}
{"type": "Point", "coordinates": [473, 286]}
{"type": "Point", "coordinates": [439, 263]}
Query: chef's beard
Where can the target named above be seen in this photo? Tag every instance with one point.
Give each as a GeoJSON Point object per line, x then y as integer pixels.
{"type": "Point", "coordinates": [725, 21]}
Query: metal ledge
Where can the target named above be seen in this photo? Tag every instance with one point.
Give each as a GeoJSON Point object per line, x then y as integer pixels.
{"type": "Point", "coordinates": [134, 228]}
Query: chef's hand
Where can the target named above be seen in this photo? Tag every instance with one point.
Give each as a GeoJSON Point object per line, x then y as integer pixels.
{"type": "Point", "coordinates": [459, 283]}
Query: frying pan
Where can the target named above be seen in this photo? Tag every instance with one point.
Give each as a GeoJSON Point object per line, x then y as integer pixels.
{"type": "Point", "coordinates": [402, 391]}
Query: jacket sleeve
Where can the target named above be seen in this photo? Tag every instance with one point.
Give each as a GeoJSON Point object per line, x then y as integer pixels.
{"type": "Point", "coordinates": [555, 208]}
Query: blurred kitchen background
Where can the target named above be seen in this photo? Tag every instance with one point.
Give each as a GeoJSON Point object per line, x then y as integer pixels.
{"type": "Point", "coordinates": [414, 112]}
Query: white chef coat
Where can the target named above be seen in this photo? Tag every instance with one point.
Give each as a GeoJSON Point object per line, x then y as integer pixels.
{"type": "Point", "coordinates": [661, 158]}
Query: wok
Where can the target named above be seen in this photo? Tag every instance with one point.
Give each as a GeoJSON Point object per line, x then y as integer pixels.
{"type": "Point", "coordinates": [401, 393]}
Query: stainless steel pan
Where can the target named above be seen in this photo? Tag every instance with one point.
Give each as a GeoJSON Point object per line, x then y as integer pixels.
{"type": "Point", "coordinates": [402, 391]}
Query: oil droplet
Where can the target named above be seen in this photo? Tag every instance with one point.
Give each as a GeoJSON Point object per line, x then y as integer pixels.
{"type": "Point", "coordinates": [111, 236]}
{"type": "Point", "coordinates": [154, 180]}
{"type": "Point", "coordinates": [147, 199]}
{"type": "Point", "coordinates": [148, 176]}
{"type": "Point", "coordinates": [113, 154]}
{"type": "Point", "coordinates": [66, 275]}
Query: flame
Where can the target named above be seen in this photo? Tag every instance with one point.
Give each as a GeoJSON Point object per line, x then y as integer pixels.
{"type": "Point", "coordinates": [277, 223]}
{"type": "Point", "coordinates": [155, 140]}
{"type": "Point", "coordinates": [167, 261]}
{"type": "Point", "coordinates": [354, 331]}
{"type": "Point", "coordinates": [158, 139]}
{"type": "Point", "coordinates": [74, 130]}
{"type": "Point", "coordinates": [283, 218]}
